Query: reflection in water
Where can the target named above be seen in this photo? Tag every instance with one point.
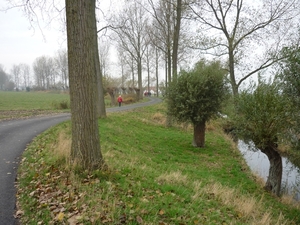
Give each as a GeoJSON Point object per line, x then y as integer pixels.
{"type": "Point", "coordinates": [259, 164]}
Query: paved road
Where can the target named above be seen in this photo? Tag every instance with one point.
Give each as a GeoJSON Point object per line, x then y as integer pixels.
{"type": "Point", "coordinates": [14, 136]}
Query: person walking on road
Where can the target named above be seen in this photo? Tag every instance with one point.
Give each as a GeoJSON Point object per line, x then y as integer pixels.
{"type": "Point", "coordinates": [120, 100]}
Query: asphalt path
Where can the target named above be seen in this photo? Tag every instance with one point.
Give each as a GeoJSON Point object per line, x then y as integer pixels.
{"type": "Point", "coordinates": [14, 137]}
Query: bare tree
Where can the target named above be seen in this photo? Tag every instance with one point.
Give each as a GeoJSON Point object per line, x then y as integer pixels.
{"type": "Point", "coordinates": [157, 57]}
{"type": "Point", "coordinates": [44, 71]}
{"type": "Point", "coordinates": [167, 31]}
{"type": "Point", "coordinates": [25, 74]}
{"type": "Point", "coordinates": [128, 67]}
{"type": "Point", "coordinates": [38, 69]}
{"type": "Point", "coordinates": [81, 35]}
{"type": "Point", "coordinates": [4, 78]}
{"type": "Point", "coordinates": [123, 63]}
{"type": "Point", "coordinates": [240, 29]}
{"type": "Point", "coordinates": [61, 62]}
{"type": "Point", "coordinates": [132, 35]}
{"type": "Point", "coordinates": [15, 72]}
{"type": "Point", "coordinates": [176, 35]}
{"type": "Point", "coordinates": [100, 103]}
{"type": "Point", "coordinates": [104, 56]}
{"type": "Point", "coordinates": [149, 55]}
{"type": "Point", "coordinates": [161, 33]}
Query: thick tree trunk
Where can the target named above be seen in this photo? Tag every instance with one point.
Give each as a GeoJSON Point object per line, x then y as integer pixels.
{"type": "Point", "coordinates": [199, 135]}
{"type": "Point", "coordinates": [273, 183]}
{"type": "Point", "coordinates": [81, 19]}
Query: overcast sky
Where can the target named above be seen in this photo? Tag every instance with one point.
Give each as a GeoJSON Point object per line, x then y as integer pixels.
{"type": "Point", "coordinates": [19, 43]}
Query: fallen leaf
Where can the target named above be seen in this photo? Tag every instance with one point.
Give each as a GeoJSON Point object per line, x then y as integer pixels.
{"type": "Point", "coordinates": [161, 212]}
{"type": "Point", "coordinates": [72, 220]}
{"type": "Point", "coordinates": [139, 220]}
{"type": "Point", "coordinates": [19, 213]}
{"type": "Point", "coordinates": [60, 216]}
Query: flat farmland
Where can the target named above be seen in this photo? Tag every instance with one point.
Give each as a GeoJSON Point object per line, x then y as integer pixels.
{"type": "Point", "coordinates": [24, 104]}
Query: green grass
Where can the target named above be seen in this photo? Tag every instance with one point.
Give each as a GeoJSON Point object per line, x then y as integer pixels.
{"type": "Point", "coordinates": [154, 176]}
{"type": "Point", "coordinates": [27, 104]}
{"type": "Point", "coordinates": [30, 100]}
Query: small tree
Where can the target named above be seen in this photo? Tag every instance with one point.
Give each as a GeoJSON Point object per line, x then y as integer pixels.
{"type": "Point", "coordinates": [197, 96]}
{"type": "Point", "coordinates": [263, 117]}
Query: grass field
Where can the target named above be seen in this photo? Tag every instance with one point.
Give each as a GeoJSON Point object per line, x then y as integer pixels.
{"type": "Point", "coordinates": [26, 104]}
{"type": "Point", "coordinates": [31, 100]}
{"type": "Point", "coordinates": [154, 176]}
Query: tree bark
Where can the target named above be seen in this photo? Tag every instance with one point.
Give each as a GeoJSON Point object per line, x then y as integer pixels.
{"type": "Point", "coordinates": [140, 78]}
{"type": "Point", "coordinates": [235, 87]}
{"type": "Point", "coordinates": [199, 135]}
{"type": "Point", "coordinates": [81, 20]}
{"type": "Point", "coordinates": [176, 38]}
{"type": "Point", "coordinates": [111, 92]}
{"type": "Point", "coordinates": [273, 183]}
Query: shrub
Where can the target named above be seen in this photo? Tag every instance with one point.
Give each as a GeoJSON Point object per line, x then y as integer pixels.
{"type": "Point", "coordinates": [129, 100]}
{"type": "Point", "coordinates": [64, 104]}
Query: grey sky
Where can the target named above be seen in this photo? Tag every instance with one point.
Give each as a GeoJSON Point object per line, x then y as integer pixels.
{"type": "Point", "coordinates": [19, 43]}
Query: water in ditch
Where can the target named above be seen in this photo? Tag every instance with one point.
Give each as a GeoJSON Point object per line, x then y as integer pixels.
{"type": "Point", "coordinates": [259, 164]}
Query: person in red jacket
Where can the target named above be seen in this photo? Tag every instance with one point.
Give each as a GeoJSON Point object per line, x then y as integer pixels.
{"type": "Point", "coordinates": [120, 100]}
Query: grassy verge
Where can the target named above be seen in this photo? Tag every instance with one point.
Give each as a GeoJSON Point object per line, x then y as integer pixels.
{"type": "Point", "coordinates": [154, 176]}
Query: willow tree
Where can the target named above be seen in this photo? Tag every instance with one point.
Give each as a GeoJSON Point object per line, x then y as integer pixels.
{"type": "Point", "coordinates": [196, 97]}
{"type": "Point", "coordinates": [81, 37]}
{"type": "Point", "coordinates": [264, 119]}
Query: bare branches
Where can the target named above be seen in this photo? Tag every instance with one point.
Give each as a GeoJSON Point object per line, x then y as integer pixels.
{"type": "Point", "coordinates": [39, 13]}
{"type": "Point", "coordinates": [241, 25]}
{"type": "Point", "coordinates": [109, 27]}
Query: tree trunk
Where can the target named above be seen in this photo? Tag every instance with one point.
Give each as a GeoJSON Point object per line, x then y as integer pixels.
{"type": "Point", "coordinates": [101, 110]}
{"type": "Point", "coordinates": [156, 70]}
{"type": "Point", "coordinates": [234, 86]}
{"type": "Point", "coordinates": [81, 19]}
{"type": "Point", "coordinates": [111, 92]}
{"type": "Point", "coordinates": [199, 135]}
{"type": "Point", "coordinates": [140, 79]}
{"type": "Point", "coordinates": [273, 183]}
{"type": "Point", "coordinates": [176, 38]}
{"type": "Point", "coordinates": [169, 42]}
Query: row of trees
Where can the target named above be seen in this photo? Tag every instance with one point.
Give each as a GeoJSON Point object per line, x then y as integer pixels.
{"type": "Point", "coordinates": [151, 35]}
{"type": "Point", "coordinates": [51, 73]}
{"type": "Point", "coordinates": [233, 31]}
{"type": "Point", "coordinates": [246, 36]}
{"type": "Point", "coordinates": [5, 80]}
{"type": "Point", "coordinates": [45, 73]}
